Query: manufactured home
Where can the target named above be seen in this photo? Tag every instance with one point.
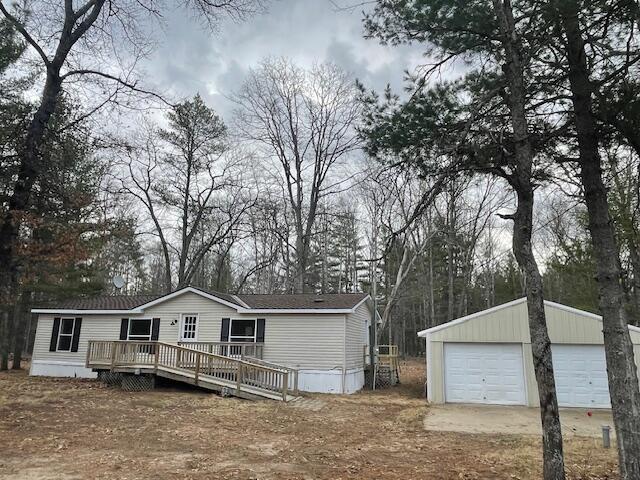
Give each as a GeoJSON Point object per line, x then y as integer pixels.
{"type": "Point", "coordinates": [486, 357]}
{"type": "Point", "coordinates": [323, 337]}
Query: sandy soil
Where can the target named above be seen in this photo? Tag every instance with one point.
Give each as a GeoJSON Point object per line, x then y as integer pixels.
{"type": "Point", "coordinates": [80, 429]}
{"type": "Point", "coordinates": [520, 420]}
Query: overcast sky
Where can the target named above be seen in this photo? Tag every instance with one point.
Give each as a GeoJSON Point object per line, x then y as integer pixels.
{"type": "Point", "coordinates": [192, 59]}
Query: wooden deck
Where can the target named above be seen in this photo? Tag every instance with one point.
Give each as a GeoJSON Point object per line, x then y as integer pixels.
{"type": "Point", "coordinates": [225, 374]}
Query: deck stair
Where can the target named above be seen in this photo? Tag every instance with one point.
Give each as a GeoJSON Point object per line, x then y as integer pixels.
{"type": "Point", "coordinates": [386, 366]}
{"type": "Point", "coordinates": [244, 377]}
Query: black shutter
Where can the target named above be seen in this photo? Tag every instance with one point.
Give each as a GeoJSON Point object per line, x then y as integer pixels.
{"type": "Point", "coordinates": [260, 330]}
{"type": "Point", "coordinates": [224, 333]}
{"type": "Point", "coordinates": [155, 329]}
{"type": "Point", "coordinates": [76, 334]}
{"type": "Point", "coordinates": [124, 329]}
{"type": "Point", "coordinates": [53, 345]}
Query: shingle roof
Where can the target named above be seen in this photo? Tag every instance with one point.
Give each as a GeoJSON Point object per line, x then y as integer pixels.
{"type": "Point", "coordinates": [106, 302]}
{"type": "Point", "coordinates": [304, 301]}
{"type": "Point", "coordinates": [325, 301]}
{"type": "Point", "coordinates": [223, 296]}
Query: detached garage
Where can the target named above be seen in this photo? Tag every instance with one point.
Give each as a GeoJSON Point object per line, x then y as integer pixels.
{"type": "Point", "coordinates": [486, 357]}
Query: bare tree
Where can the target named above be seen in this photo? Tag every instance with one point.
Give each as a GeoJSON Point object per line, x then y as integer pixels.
{"type": "Point", "coordinates": [401, 195]}
{"type": "Point", "coordinates": [190, 185]}
{"type": "Point", "coordinates": [73, 43]}
{"type": "Point", "coordinates": [304, 120]}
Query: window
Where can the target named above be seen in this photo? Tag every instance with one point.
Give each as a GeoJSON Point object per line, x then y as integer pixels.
{"type": "Point", "coordinates": [189, 327]}
{"type": "Point", "coordinates": [65, 334]}
{"type": "Point", "coordinates": [140, 329]}
{"type": "Point", "coordinates": [242, 331]}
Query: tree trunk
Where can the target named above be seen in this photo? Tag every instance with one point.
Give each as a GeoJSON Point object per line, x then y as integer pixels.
{"type": "Point", "coordinates": [301, 262]}
{"type": "Point", "coordinates": [540, 343]}
{"type": "Point", "coordinates": [450, 260]}
{"type": "Point", "coordinates": [635, 263]}
{"type": "Point", "coordinates": [553, 457]}
{"type": "Point", "coordinates": [621, 368]}
{"type": "Point", "coordinates": [19, 330]}
{"type": "Point", "coordinates": [4, 340]}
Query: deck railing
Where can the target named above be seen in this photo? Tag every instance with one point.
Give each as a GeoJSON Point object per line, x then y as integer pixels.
{"type": "Point", "coordinates": [201, 365]}
{"type": "Point", "coordinates": [228, 349]}
{"type": "Point", "coordinates": [293, 372]}
{"type": "Point", "coordinates": [386, 355]}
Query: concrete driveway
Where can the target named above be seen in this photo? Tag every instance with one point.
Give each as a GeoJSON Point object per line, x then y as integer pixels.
{"type": "Point", "coordinates": [516, 420]}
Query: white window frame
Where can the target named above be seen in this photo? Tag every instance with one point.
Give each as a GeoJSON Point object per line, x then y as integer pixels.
{"type": "Point", "coordinates": [181, 333]}
{"type": "Point", "coordinates": [255, 330]}
{"type": "Point", "coordinates": [60, 334]}
{"type": "Point", "coordinates": [131, 320]}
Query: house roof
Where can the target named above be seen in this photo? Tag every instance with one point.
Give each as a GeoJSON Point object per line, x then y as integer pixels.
{"type": "Point", "coordinates": [104, 302]}
{"type": "Point", "coordinates": [304, 301]}
{"type": "Point", "coordinates": [325, 303]}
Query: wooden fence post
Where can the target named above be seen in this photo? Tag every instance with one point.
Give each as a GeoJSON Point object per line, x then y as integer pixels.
{"type": "Point", "coordinates": [197, 367]}
{"type": "Point", "coordinates": [114, 346]}
{"type": "Point", "coordinates": [86, 362]}
{"type": "Point", "coordinates": [285, 386]}
{"type": "Point", "coordinates": [240, 375]}
{"type": "Point", "coordinates": [155, 360]}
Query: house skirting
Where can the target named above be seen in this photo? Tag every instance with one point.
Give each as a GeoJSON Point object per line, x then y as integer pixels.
{"type": "Point", "coordinates": [331, 381]}
{"type": "Point", "coordinates": [51, 368]}
{"type": "Point", "coordinates": [321, 381]}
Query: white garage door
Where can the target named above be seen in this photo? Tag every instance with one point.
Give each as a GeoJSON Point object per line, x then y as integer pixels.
{"type": "Point", "coordinates": [484, 373]}
{"type": "Point", "coordinates": [581, 376]}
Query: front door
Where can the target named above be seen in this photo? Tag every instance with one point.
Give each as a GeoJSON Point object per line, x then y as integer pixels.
{"type": "Point", "coordinates": [189, 327]}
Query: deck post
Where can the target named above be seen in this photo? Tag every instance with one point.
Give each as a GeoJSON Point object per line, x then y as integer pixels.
{"type": "Point", "coordinates": [86, 362]}
{"type": "Point", "coordinates": [197, 367]}
{"type": "Point", "coordinates": [114, 346]}
{"type": "Point", "coordinates": [155, 360]}
{"type": "Point", "coordinates": [295, 382]}
{"type": "Point", "coordinates": [178, 357]}
{"type": "Point", "coordinates": [240, 375]}
{"type": "Point", "coordinates": [285, 386]}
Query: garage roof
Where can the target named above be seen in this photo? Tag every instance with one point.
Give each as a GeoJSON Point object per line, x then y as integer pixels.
{"type": "Point", "coordinates": [513, 303]}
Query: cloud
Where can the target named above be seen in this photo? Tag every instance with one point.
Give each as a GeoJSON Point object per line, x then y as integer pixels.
{"type": "Point", "coordinates": [190, 59]}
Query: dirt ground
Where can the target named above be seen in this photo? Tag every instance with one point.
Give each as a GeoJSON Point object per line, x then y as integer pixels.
{"type": "Point", "coordinates": [523, 420]}
{"type": "Point", "coordinates": [79, 429]}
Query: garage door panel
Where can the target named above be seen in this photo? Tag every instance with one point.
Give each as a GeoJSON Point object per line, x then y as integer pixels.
{"type": "Point", "coordinates": [581, 376]}
{"type": "Point", "coordinates": [484, 373]}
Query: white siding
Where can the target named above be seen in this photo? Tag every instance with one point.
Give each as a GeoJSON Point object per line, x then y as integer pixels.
{"type": "Point", "coordinates": [94, 327]}
{"type": "Point", "coordinates": [210, 315]}
{"type": "Point", "coordinates": [304, 341]}
{"type": "Point", "coordinates": [357, 336]}
{"type": "Point", "coordinates": [307, 341]}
